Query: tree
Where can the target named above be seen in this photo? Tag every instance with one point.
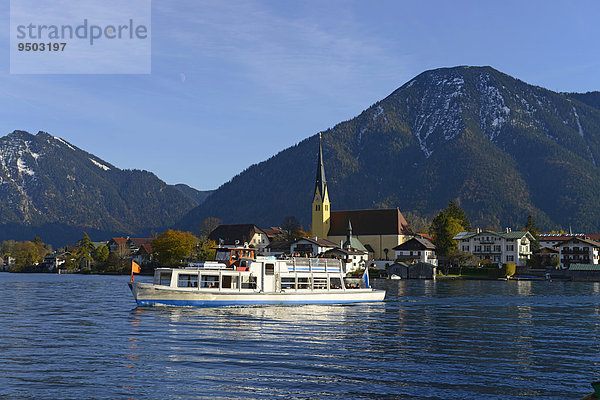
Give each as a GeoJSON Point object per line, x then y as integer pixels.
{"type": "Point", "coordinates": [454, 211]}
{"type": "Point", "coordinates": [208, 225]}
{"type": "Point", "coordinates": [26, 255]}
{"type": "Point", "coordinates": [531, 227]}
{"type": "Point", "coordinates": [292, 229]}
{"type": "Point", "coordinates": [100, 255]}
{"type": "Point", "coordinates": [459, 257]}
{"type": "Point", "coordinates": [85, 250]}
{"type": "Point", "coordinates": [447, 224]}
{"type": "Point", "coordinates": [171, 247]}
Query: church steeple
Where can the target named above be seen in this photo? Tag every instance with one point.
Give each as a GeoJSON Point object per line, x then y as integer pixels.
{"type": "Point", "coordinates": [320, 181]}
{"type": "Point", "coordinates": [320, 204]}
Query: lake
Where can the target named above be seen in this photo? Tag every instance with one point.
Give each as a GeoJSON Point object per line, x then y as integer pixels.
{"type": "Point", "coordinates": [82, 337]}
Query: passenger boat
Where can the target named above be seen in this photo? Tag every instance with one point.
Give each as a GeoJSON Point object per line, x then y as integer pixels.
{"type": "Point", "coordinates": [239, 277]}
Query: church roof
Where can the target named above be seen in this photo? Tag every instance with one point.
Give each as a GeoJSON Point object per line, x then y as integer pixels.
{"type": "Point", "coordinates": [383, 221]}
{"type": "Point", "coordinates": [320, 181]}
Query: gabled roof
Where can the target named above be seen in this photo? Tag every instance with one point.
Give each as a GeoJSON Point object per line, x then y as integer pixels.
{"type": "Point", "coordinates": [385, 221]}
{"type": "Point", "coordinates": [243, 233]}
{"type": "Point", "coordinates": [145, 248]}
{"type": "Point", "coordinates": [579, 240]}
{"type": "Point", "coordinates": [140, 241]}
{"type": "Point", "coordinates": [369, 248]}
{"type": "Point", "coordinates": [318, 241]}
{"type": "Point", "coordinates": [416, 243]}
{"type": "Point", "coordinates": [273, 231]}
{"type": "Point", "coordinates": [505, 235]}
{"type": "Point", "coordinates": [119, 240]}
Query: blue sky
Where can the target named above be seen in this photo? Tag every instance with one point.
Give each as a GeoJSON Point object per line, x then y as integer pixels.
{"type": "Point", "coordinates": [235, 82]}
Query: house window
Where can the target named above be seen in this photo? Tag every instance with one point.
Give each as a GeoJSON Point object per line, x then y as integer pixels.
{"type": "Point", "coordinates": [326, 207]}
{"type": "Point", "coordinates": [510, 247]}
{"type": "Point", "coordinates": [510, 258]}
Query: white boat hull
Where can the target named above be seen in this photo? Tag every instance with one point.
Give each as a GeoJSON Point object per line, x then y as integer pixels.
{"type": "Point", "coordinates": [147, 294]}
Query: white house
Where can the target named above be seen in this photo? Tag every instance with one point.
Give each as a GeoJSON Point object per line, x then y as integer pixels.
{"type": "Point", "coordinates": [578, 251]}
{"type": "Point", "coordinates": [240, 234]}
{"type": "Point", "coordinates": [417, 249]}
{"type": "Point", "coordinates": [497, 247]}
{"type": "Point", "coordinates": [311, 246]}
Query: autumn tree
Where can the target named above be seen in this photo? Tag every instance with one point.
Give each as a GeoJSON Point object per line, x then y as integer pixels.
{"type": "Point", "coordinates": [171, 247]}
{"type": "Point", "coordinates": [292, 229]}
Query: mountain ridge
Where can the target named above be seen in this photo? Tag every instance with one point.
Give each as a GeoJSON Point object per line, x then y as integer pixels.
{"type": "Point", "coordinates": [500, 147]}
{"type": "Point", "coordinates": [46, 181]}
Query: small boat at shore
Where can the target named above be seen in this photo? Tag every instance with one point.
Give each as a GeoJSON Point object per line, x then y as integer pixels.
{"type": "Point", "coordinates": [239, 277]}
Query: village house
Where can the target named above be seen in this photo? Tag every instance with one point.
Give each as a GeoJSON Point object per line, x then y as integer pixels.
{"type": "Point", "coordinates": [127, 247]}
{"type": "Point", "coordinates": [240, 234]}
{"type": "Point", "coordinates": [578, 251]}
{"type": "Point", "coordinates": [144, 255]}
{"type": "Point", "coordinates": [417, 249]}
{"type": "Point", "coordinates": [497, 247]}
{"type": "Point", "coordinates": [311, 247]}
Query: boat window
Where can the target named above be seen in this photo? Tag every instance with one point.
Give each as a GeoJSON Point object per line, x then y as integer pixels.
{"type": "Point", "coordinates": [269, 269]}
{"type": "Point", "coordinates": [335, 283]}
{"type": "Point", "coordinates": [209, 281]}
{"type": "Point", "coordinates": [187, 280]}
{"type": "Point", "coordinates": [288, 283]}
{"type": "Point", "coordinates": [227, 282]}
{"type": "Point", "coordinates": [248, 282]}
{"type": "Point", "coordinates": [320, 283]}
{"type": "Point", "coordinates": [303, 283]}
{"type": "Point", "coordinates": [222, 255]}
{"type": "Point", "coordinates": [165, 278]}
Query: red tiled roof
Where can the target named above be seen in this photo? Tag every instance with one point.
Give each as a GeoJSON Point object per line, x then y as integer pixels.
{"type": "Point", "coordinates": [147, 247]}
{"type": "Point", "coordinates": [141, 241]}
{"type": "Point", "coordinates": [120, 240]}
{"type": "Point", "coordinates": [369, 222]}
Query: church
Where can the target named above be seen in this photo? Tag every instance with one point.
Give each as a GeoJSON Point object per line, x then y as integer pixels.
{"type": "Point", "coordinates": [379, 230]}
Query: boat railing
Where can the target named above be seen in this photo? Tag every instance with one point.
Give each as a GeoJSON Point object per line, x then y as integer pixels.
{"type": "Point", "coordinates": [301, 264]}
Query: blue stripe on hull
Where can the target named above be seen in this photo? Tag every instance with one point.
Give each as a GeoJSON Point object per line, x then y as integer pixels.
{"type": "Point", "coordinates": [199, 303]}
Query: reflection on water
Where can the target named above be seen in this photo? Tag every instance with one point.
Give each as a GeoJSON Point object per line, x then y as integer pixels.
{"type": "Point", "coordinates": [82, 337]}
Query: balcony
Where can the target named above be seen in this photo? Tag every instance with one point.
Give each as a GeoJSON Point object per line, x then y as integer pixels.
{"type": "Point", "coordinates": [574, 251]}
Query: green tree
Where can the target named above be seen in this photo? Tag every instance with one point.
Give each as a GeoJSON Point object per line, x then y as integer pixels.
{"type": "Point", "coordinates": [100, 255]}
{"type": "Point", "coordinates": [85, 250]}
{"type": "Point", "coordinates": [531, 227]}
{"type": "Point", "coordinates": [447, 224]}
{"type": "Point", "coordinates": [171, 247]}
{"type": "Point", "coordinates": [454, 211]}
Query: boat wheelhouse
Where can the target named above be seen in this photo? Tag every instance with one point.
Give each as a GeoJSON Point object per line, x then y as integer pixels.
{"type": "Point", "coordinates": [239, 277]}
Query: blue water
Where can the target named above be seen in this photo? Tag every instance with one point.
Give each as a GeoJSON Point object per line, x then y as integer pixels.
{"type": "Point", "coordinates": [82, 337]}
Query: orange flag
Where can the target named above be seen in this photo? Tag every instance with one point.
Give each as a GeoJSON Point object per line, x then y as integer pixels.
{"type": "Point", "coordinates": [135, 269]}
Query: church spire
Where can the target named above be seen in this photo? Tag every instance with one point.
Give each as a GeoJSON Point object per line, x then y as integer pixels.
{"type": "Point", "coordinates": [320, 181]}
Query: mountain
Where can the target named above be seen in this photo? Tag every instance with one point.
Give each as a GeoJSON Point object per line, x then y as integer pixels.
{"type": "Point", "coordinates": [52, 189]}
{"type": "Point", "coordinates": [197, 196]}
{"type": "Point", "coordinates": [503, 149]}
